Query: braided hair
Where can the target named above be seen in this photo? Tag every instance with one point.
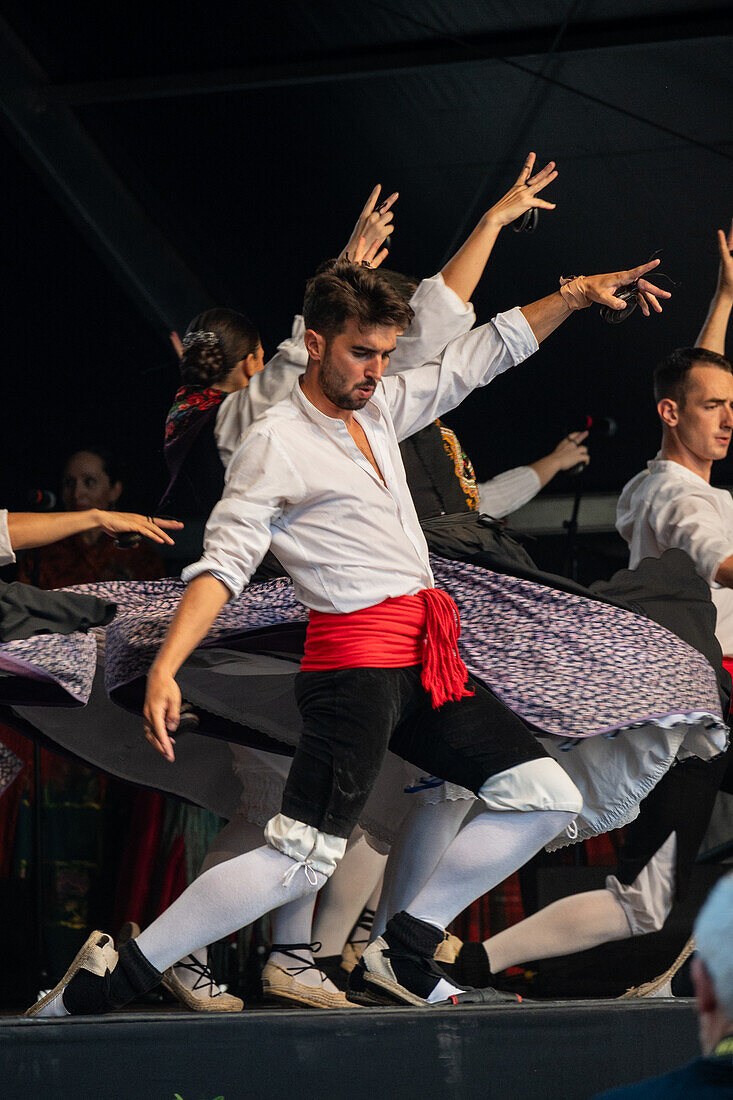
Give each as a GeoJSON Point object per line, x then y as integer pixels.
{"type": "Point", "coordinates": [215, 341]}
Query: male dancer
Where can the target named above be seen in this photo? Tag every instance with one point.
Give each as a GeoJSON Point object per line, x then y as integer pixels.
{"type": "Point", "coordinates": [319, 478]}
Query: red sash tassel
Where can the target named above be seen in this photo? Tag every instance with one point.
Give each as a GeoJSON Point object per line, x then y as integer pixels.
{"type": "Point", "coordinates": [407, 630]}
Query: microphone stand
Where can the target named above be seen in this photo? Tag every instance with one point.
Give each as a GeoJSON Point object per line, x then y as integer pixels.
{"type": "Point", "coordinates": [570, 563]}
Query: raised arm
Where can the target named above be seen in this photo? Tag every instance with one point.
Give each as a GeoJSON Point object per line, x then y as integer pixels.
{"type": "Point", "coordinates": [582, 291]}
{"type": "Point", "coordinates": [240, 409]}
{"type": "Point", "coordinates": [463, 271]}
{"type": "Point", "coordinates": [713, 332]}
{"type": "Point", "coordinates": [417, 397]}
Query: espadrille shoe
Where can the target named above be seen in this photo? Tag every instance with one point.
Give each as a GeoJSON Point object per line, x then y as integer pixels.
{"type": "Point", "coordinates": [400, 966]}
{"type": "Point", "coordinates": [279, 984]}
{"type": "Point", "coordinates": [660, 986]}
{"type": "Point", "coordinates": [204, 995]}
{"type": "Point", "coordinates": [97, 958]}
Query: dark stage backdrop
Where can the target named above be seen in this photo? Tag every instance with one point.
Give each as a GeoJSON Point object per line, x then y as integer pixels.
{"type": "Point", "coordinates": [255, 187]}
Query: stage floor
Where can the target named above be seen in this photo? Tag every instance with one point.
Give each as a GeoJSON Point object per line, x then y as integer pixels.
{"type": "Point", "coordinates": [560, 1050]}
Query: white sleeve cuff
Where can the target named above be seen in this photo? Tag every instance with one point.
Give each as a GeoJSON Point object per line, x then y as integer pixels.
{"type": "Point", "coordinates": [516, 332]}
{"type": "Point", "coordinates": [508, 491]}
{"type": "Point", "coordinates": [452, 302]}
{"type": "Point", "coordinates": [227, 578]}
{"type": "Point", "coordinates": [7, 557]}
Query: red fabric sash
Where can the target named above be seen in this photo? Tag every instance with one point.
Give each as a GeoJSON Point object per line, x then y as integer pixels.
{"type": "Point", "coordinates": [408, 630]}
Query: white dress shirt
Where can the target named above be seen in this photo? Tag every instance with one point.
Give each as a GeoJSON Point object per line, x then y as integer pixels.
{"type": "Point", "coordinates": [506, 492]}
{"type": "Point", "coordinates": [299, 482]}
{"type": "Point", "coordinates": [440, 316]}
{"type": "Point", "coordinates": [7, 557]}
{"type": "Point", "coordinates": [668, 505]}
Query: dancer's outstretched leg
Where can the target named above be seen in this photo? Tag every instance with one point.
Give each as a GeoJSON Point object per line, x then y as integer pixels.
{"type": "Point", "coordinates": [575, 923]}
{"type": "Point", "coordinates": [190, 979]}
{"type": "Point", "coordinates": [361, 934]}
{"type": "Point", "coordinates": [219, 902]}
{"type": "Point", "coordinates": [400, 965]}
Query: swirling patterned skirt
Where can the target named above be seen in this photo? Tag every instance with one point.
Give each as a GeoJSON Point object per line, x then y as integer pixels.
{"type": "Point", "coordinates": [573, 668]}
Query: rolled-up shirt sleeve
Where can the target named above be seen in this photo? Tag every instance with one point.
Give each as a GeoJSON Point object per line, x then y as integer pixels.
{"type": "Point", "coordinates": [260, 482]}
{"type": "Point", "coordinates": [508, 491]}
{"type": "Point", "coordinates": [417, 397]}
{"type": "Point", "coordinates": [440, 316]}
{"type": "Point", "coordinates": [7, 557]}
{"type": "Point", "coordinates": [691, 522]}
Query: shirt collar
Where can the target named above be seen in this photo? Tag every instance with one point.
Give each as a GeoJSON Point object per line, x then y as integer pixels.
{"type": "Point", "coordinates": [659, 465]}
{"type": "Point", "coordinates": [329, 422]}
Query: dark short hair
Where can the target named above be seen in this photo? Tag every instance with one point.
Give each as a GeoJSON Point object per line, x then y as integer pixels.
{"type": "Point", "coordinates": [343, 291]}
{"type": "Point", "coordinates": [205, 363]}
{"type": "Point", "coordinates": [672, 375]}
{"type": "Point", "coordinates": [405, 285]}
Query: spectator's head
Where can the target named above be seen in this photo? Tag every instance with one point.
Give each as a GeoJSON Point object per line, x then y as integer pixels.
{"type": "Point", "coordinates": [91, 479]}
{"type": "Point", "coordinates": [220, 348]}
{"type": "Point", "coordinates": [352, 320]}
{"type": "Point", "coordinates": [712, 967]}
{"type": "Point", "coordinates": [693, 388]}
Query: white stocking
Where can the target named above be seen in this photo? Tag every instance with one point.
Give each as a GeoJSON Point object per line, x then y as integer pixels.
{"type": "Point", "coordinates": [485, 852]}
{"type": "Point", "coordinates": [424, 836]}
{"type": "Point", "coordinates": [347, 892]}
{"type": "Point", "coordinates": [293, 923]}
{"type": "Point", "coordinates": [236, 838]}
{"type": "Point", "coordinates": [222, 900]}
{"type": "Point", "coordinates": [571, 924]}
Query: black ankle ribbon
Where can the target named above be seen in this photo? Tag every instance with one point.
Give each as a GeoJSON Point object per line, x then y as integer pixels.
{"type": "Point", "coordinates": [290, 949]}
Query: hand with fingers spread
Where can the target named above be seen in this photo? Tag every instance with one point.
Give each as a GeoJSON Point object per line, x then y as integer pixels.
{"type": "Point", "coordinates": [125, 523]}
{"type": "Point", "coordinates": [583, 290]}
{"type": "Point", "coordinates": [523, 195]}
{"type": "Point", "coordinates": [463, 271]}
{"type": "Point", "coordinates": [161, 712]}
{"type": "Point", "coordinates": [373, 226]}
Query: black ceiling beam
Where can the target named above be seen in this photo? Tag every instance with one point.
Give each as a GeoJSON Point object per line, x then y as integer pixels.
{"type": "Point", "coordinates": [78, 175]}
{"type": "Point", "coordinates": [400, 58]}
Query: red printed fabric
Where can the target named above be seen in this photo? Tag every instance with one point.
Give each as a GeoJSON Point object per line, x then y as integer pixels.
{"type": "Point", "coordinates": [189, 401]}
{"type": "Point", "coordinates": [728, 666]}
{"type": "Point", "coordinates": [407, 630]}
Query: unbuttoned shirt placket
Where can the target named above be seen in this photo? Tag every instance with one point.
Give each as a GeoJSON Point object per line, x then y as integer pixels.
{"type": "Point", "coordinates": [370, 422]}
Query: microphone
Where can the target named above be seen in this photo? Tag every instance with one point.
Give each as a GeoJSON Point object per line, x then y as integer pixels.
{"type": "Point", "coordinates": [598, 427]}
{"type": "Point", "coordinates": [41, 500]}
